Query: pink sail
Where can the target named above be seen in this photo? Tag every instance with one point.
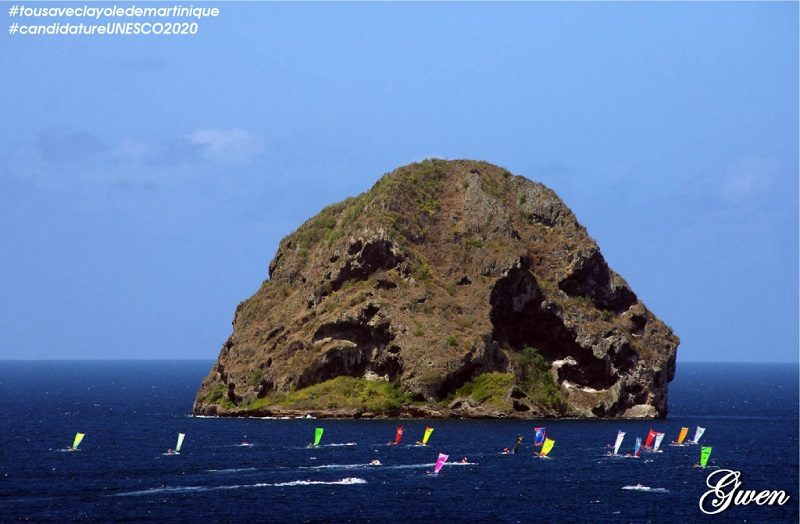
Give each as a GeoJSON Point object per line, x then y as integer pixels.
{"type": "Point", "coordinates": [439, 463]}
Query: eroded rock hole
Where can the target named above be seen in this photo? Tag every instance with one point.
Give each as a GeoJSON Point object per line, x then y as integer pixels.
{"type": "Point", "coordinates": [367, 352]}
{"type": "Point", "coordinates": [520, 319]}
{"type": "Point", "coordinates": [592, 279]}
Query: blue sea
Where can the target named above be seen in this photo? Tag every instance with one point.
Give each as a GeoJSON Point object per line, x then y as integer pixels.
{"type": "Point", "coordinates": [132, 411]}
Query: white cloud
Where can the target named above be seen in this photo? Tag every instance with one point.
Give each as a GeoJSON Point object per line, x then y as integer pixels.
{"type": "Point", "coordinates": [748, 178]}
{"type": "Point", "coordinates": [227, 145]}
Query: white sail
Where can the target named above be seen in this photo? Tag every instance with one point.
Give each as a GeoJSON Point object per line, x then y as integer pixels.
{"type": "Point", "coordinates": [618, 443]}
{"type": "Point", "coordinates": [659, 438]}
{"type": "Point", "coordinates": [698, 433]}
{"type": "Point", "coordinates": [181, 436]}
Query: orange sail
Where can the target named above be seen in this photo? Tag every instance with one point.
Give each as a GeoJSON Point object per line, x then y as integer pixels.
{"type": "Point", "coordinates": [682, 435]}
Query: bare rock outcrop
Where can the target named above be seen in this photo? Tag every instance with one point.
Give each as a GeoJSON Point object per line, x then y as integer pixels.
{"type": "Point", "coordinates": [451, 288]}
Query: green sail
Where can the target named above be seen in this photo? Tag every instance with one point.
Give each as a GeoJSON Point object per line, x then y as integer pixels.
{"type": "Point", "coordinates": [705, 452]}
{"type": "Point", "coordinates": [318, 436]}
{"type": "Point", "coordinates": [77, 441]}
{"type": "Point", "coordinates": [427, 435]}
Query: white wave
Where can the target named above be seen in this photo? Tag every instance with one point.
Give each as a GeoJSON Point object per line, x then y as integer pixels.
{"type": "Point", "coordinates": [384, 466]}
{"type": "Point", "coordinates": [165, 489]}
{"type": "Point", "coordinates": [430, 465]}
{"type": "Point", "coordinates": [344, 481]}
{"type": "Point", "coordinates": [199, 489]}
{"type": "Point", "coordinates": [229, 470]}
{"type": "Point", "coordinates": [410, 466]}
{"type": "Point", "coordinates": [646, 488]}
{"type": "Point", "coordinates": [332, 445]}
{"type": "Point", "coordinates": [337, 466]}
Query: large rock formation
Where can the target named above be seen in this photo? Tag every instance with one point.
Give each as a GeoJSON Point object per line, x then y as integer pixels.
{"type": "Point", "coordinates": [451, 288]}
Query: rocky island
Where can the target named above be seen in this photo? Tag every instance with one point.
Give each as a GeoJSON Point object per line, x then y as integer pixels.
{"type": "Point", "coordinates": [449, 289]}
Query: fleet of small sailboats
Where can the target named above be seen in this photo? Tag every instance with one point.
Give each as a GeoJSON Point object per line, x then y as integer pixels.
{"type": "Point", "coordinates": [652, 443]}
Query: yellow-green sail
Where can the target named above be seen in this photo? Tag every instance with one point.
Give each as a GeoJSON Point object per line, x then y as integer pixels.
{"type": "Point", "coordinates": [705, 452]}
{"type": "Point", "coordinates": [78, 439]}
{"type": "Point", "coordinates": [682, 435]}
{"type": "Point", "coordinates": [318, 436]}
{"type": "Point", "coordinates": [547, 446]}
{"type": "Point", "coordinates": [427, 435]}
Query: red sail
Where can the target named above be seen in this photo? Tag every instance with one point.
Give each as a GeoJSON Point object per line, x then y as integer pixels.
{"type": "Point", "coordinates": [651, 436]}
{"type": "Point", "coordinates": [399, 435]}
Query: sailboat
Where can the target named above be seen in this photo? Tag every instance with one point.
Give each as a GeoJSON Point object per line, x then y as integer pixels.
{"type": "Point", "coordinates": [618, 443]}
{"type": "Point", "coordinates": [317, 437]}
{"type": "Point", "coordinates": [637, 448]}
{"type": "Point", "coordinates": [659, 438]}
{"type": "Point", "coordinates": [425, 437]}
{"type": "Point", "coordinates": [681, 437]}
{"type": "Point", "coordinates": [651, 436]}
{"type": "Point", "coordinates": [697, 434]}
{"type": "Point", "coordinates": [517, 444]}
{"type": "Point", "coordinates": [76, 442]}
{"type": "Point", "coordinates": [515, 449]}
{"type": "Point", "coordinates": [547, 445]}
{"type": "Point", "coordinates": [398, 436]}
{"type": "Point", "coordinates": [178, 446]}
{"type": "Point", "coordinates": [538, 436]}
{"type": "Point", "coordinates": [705, 452]}
{"type": "Point", "coordinates": [440, 463]}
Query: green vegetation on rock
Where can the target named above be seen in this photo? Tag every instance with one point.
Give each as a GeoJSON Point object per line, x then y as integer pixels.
{"type": "Point", "coordinates": [534, 377]}
{"type": "Point", "coordinates": [488, 388]}
{"type": "Point", "coordinates": [338, 393]}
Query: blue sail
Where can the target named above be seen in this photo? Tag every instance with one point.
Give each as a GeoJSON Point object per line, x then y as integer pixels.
{"type": "Point", "coordinates": [538, 436]}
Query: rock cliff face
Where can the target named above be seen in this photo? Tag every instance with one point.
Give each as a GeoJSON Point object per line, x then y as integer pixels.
{"type": "Point", "coordinates": [451, 288]}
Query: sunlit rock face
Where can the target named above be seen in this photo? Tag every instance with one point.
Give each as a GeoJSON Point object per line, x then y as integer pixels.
{"type": "Point", "coordinates": [427, 290]}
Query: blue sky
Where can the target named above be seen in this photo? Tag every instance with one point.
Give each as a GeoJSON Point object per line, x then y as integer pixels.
{"type": "Point", "coordinates": [145, 182]}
